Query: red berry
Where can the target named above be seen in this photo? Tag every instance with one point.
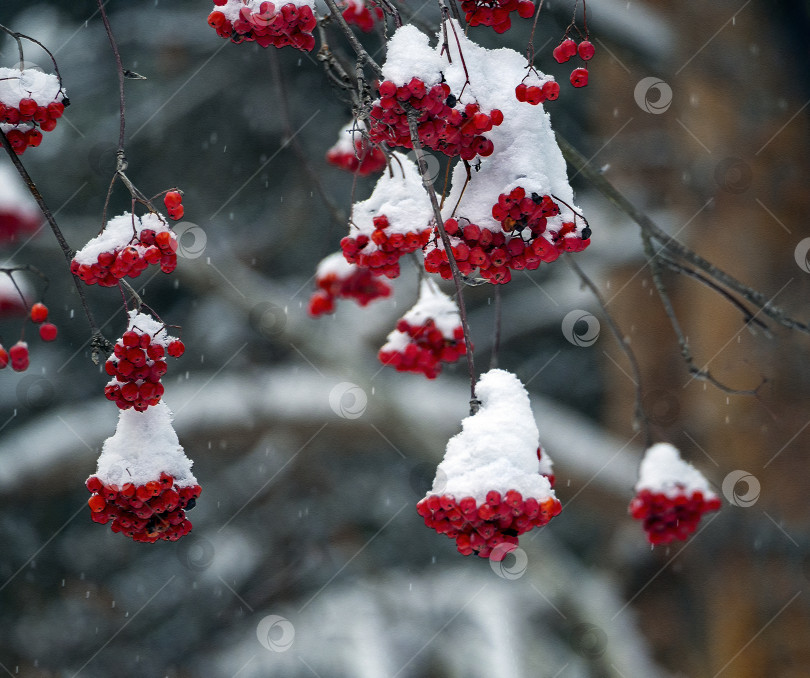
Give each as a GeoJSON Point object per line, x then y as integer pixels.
{"type": "Point", "coordinates": [47, 331]}
{"type": "Point", "coordinates": [27, 107]}
{"type": "Point", "coordinates": [586, 50]}
{"type": "Point", "coordinates": [19, 356]}
{"type": "Point", "coordinates": [173, 199]}
{"type": "Point", "coordinates": [579, 77]}
{"type": "Point", "coordinates": [176, 348]}
{"type": "Point", "coordinates": [3, 357]}
{"type": "Point", "coordinates": [39, 312]}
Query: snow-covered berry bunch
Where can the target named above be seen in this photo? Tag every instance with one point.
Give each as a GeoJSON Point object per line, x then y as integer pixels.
{"type": "Point", "coordinates": [353, 153]}
{"type": "Point", "coordinates": [428, 335]}
{"type": "Point", "coordinates": [496, 13]}
{"type": "Point", "coordinates": [265, 23]}
{"type": "Point", "coordinates": [671, 495]}
{"type": "Point", "coordinates": [143, 484]}
{"type": "Point", "coordinates": [392, 222]}
{"type": "Point", "coordinates": [359, 13]}
{"type": "Point", "coordinates": [338, 279]}
{"type": "Point", "coordinates": [490, 488]}
{"type": "Point", "coordinates": [31, 102]}
{"type": "Point", "coordinates": [139, 361]}
{"type": "Point", "coordinates": [125, 248]}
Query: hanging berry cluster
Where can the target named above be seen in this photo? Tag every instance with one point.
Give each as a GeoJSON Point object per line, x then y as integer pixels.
{"type": "Point", "coordinates": [18, 354]}
{"type": "Point", "coordinates": [265, 23]}
{"type": "Point", "coordinates": [426, 336]}
{"type": "Point", "coordinates": [143, 484]}
{"type": "Point", "coordinates": [359, 13]}
{"type": "Point", "coordinates": [671, 495]}
{"type": "Point", "coordinates": [355, 154]}
{"type": "Point", "coordinates": [338, 279]}
{"type": "Point", "coordinates": [139, 361]}
{"type": "Point", "coordinates": [495, 13]}
{"type": "Point", "coordinates": [125, 249]}
{"type": "Point", "coordinates": [31, 102]}
{"type": "Point", "coordinates": [490, 487]}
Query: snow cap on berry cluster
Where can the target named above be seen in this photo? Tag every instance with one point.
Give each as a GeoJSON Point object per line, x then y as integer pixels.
{"type": "Point", "coordinates": [400, 197]}
{"type": "Point", "coordinates": [497, 446]}
{"type": "Point", "coordinates": [526, 151]}
{"type": "Point", "coordinates": [118, 233]}
{"type": "Point", "coordinates": [146, 324]}
{"type": "Point", "coordinates": [144, 446]}
{"type": "Point", "coordinates": [409, 55]}
{"type": "Point", "coordinates": [433, 304]}
{"type": "Point", "coordinates": [29, 84]}
{"type": "Point", "coordinates": [231, 8]}
{"type": "Point", "coordinates": [663, 471]}
{"type": "Point", "coordinates": [334, 264]}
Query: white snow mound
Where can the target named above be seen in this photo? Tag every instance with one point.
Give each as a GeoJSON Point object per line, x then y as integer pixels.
{"type": "Point", "coordinates": [662, 470]}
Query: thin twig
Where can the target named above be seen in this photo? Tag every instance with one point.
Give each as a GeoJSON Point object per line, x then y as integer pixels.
{"type": "Point", "coordinates": [640, 416]}
{"type": "Point", "coordinates": [672, 245]}
{"type": "Point", "coordinates": [120, 68]}
{"type": "Point", "coordinates": [423, 170]}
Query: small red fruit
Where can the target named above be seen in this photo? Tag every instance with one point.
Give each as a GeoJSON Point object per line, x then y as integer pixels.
{"type": "Point", "coordinates": [39, 312]}
{"type": "Point", "coordinates": [564, 51]}
{"type": "Point", "coordinates": [579, 77]}
{"type": "Point", "coordinates": [586, 50]}
{"type": "Point", "coordinates": [19, 356]}
{"type": "Point", "coordinates": [47, 331]}
{"type": "Point", "coordinates": [3, 357]}
{"type": "Point", "coordinates": [172, 199]}
{"type": "Point", "coordinates": [176, 348]}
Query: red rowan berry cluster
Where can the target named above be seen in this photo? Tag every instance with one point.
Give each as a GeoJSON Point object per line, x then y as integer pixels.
{"type": "Point", "coordinates": [671, 495]}
{"type": "Point", "coordinates": [537, 90]}
{"type": "Point", "coordinates": [671, 516]}
{"type": "Point", "coordinates": [358, 12]}
{"type": "Point", "coordinates": [18, 354]}
{"type": "Point", "coordinates": [338, 279]}
{"type": "Point", "coordinates": [356, 155]}
{"type": "Point", "coordinates": [444, 124]}
{"type": "Point", "coordinates": [31, 102]}
{"type": "Point", "coordinates": [496, 13]}
{"type": "Point", "coordinates": [429, 334]}
{"type": "Point", "coordinates": [531, 232]}
{"type": "Point", "coordinates": [481, 529]}
{"type": "Point", "coordinates": [174, 204]}
{"type": "Point", "coordinates": [569, 48]}
{"type": "Point", "coordinates": [138, 362]}
{"type": "Point", "coordinates": [125, 248]}
{"type": "Point", "coordinates": [265, 23]}
{"type": "Point", "coordinates": [381, 253]}
{"type": "Point", "coordinates": [145, 513]}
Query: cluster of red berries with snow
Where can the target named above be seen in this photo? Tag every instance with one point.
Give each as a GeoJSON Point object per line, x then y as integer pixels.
{"type": "Point", "coordinates": [338, 279]}
{"type": "Point", "coordinates": [265, 23]}
{"type": "Point", "coordinates": [31, 102]}
{"type": "Point", "coordinates": [671, 495]}
{"type": "Point", "coordinates": [531, 232]}
{"type": "Point", "coordinates": [444, 124]}
{"type": "Point", "coordinates": [358, 12]}
{"type": "Point", "coordinates": [535, 90]}
{"type": "Point", "coordinates": [569, 48]}
{"type": "Point", "coordinates": [139, 361]}
{"type": "Point", "coordinates": [174, 204]}
{"type": "Point", "coordinates": [426, 336]}
{"type": "Point", "coordinates": [125, 248]}
{"type": "Point", "coordinates": [496, 13]}
{"type": "Point", "coordinates": [155, 510]}
{"type": "Point", "coordinates": [490, 487]}
{"type": "Point", "coordinates": [355, 154]}
{"type": "Point", "coordinates": [18, 354]}
{"type": "Point", "coordinates": [392, 222]}
{"type": "Point", "coordinates": [143, 484]}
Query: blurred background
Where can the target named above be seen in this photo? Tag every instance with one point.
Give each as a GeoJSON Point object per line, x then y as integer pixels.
{"type": "Point", "coordinates": [307, 556]}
